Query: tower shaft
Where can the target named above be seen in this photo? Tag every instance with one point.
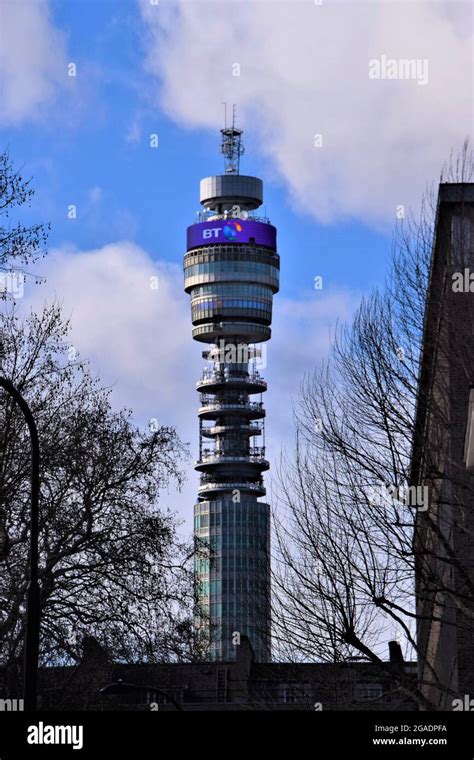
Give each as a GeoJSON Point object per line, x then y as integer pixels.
{"type": "Point", "coordinates": [231, 272]}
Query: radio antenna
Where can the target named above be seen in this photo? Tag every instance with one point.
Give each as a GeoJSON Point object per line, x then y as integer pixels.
{"type": "Point", "coordinates": [231, 146]}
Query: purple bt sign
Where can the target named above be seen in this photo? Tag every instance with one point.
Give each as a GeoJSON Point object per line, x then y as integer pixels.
{"type": "Point", "coordinates": [231, 231]}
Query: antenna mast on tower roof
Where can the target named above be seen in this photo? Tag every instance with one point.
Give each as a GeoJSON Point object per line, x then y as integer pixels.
{"type": "Point", "coordinates": [231, 146]}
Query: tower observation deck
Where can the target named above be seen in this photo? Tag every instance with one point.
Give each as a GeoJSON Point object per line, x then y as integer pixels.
{"type": "Point", "coordinates": [231, 272]}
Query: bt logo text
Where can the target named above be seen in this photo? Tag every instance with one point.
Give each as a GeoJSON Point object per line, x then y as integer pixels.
{"type": "Point", "coordinates": [212, 232]}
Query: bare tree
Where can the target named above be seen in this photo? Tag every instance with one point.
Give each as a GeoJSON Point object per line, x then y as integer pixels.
{"type": "Point", "coordinates": [111, 562]}
{"type": "Point", "coordinates": [346, 515]}
{"type": "Point", "coordinates": [20, 245]}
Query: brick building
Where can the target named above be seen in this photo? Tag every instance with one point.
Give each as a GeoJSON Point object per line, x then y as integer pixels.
{"type": "Point", "coordinates": [99, 683]}
{"type": "Point", "coordinates": [443, 458]}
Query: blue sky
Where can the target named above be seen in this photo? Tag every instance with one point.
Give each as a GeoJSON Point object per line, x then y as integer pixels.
{"type": "Point", "coordinates": [150, 196]}
{"type": "Point", "coordinates": [166, 69]}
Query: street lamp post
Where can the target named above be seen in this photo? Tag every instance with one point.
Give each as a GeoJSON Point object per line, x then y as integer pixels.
{"type": "Point", "coordinates": [32, 632]}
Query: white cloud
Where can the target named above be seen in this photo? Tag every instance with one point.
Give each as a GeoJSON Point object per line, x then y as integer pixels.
{"type": "Point", "coordinates": [33, 66]}
{"type": "Point", "coordinates": [135, 336]}
{"type": "Point", "coordinates": [129, 317]}
{"type": "Point", "coordinates": [304, 71]}
{"type": "Point", "coordinates": [302, 332]}
{"type": "Point", "coordinates": [139, 339]}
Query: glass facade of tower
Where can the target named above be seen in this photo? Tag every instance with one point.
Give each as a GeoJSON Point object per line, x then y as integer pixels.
{"type": "Point", "coordinates": [231, 272]}
{"type": "Point", "coordinates": [233, 586]}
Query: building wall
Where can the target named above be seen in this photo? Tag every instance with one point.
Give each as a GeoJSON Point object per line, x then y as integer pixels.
{"type": "Point", "coordinates": [444, 540]}
{"type": "Point", "coordinates": [98, 683]}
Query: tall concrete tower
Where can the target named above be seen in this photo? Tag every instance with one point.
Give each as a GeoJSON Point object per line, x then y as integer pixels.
{"type": "Point", "coordinates": [231, 272]}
